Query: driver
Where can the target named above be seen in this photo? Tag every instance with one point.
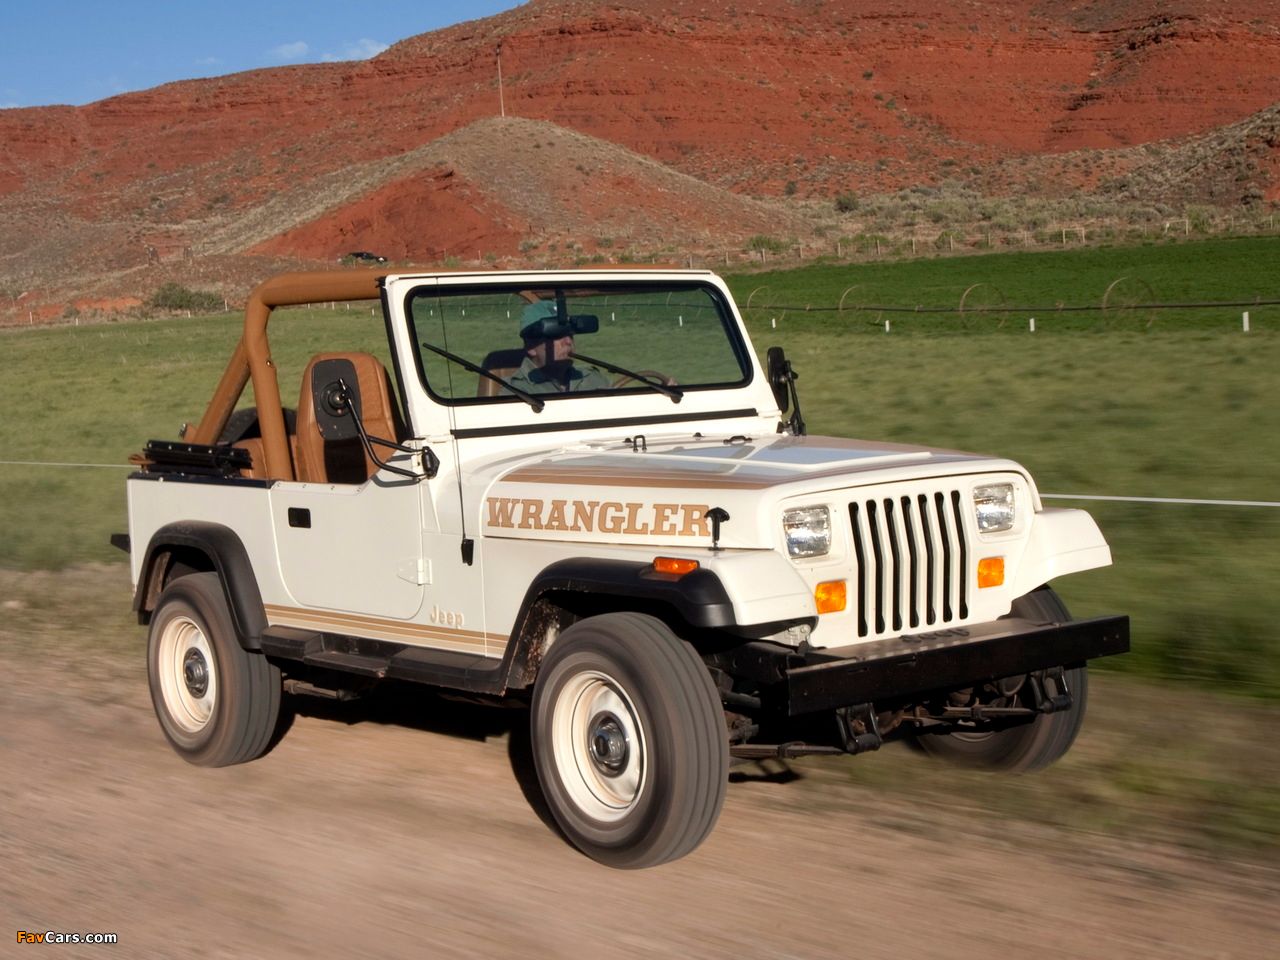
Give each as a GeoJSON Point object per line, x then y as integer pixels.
{"type": "Point", "coordinates": [548, 361]}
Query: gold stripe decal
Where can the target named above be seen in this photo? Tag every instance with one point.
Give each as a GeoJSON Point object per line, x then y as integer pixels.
{"type": "Point", "coordinates": [374, 626]}
{"type": "Point", "coordinates": [692, 480]}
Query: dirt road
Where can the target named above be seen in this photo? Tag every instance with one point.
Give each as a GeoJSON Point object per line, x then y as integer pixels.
{"type": "Point", "coordinates": [393, 831]}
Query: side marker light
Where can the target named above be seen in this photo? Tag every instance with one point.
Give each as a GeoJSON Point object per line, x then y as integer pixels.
{"type": "Point", "coordinates": [830, 596]}
{"type": "Point", "coordinates": [674, 565]}
{"type": "Point", "coordinates": [991, 571]}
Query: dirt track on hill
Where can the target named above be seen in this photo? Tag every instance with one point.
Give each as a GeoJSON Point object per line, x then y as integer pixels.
{"type": "Point", "coordinates": [365, 835]}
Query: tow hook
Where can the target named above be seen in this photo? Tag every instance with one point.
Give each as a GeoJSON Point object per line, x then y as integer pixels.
{"type": "Point", "coordinates": [859, 729]}
{"type": "Point", "coordinates": [1049, 690]}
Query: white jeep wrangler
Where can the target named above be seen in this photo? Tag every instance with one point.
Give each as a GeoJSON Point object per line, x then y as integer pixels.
{"type": "Point", "coordinates": [583, 488]}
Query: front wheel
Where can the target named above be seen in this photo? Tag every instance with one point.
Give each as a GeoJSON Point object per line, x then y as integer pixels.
{"type": "Point", "coordinates": [217, 703]}
{"type": "Point", "coordinates": [1029, 746]}
{"type": "Point", "coordinates": [629, 741]}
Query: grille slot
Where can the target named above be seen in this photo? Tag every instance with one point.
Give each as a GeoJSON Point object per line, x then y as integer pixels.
{"type": "Point", "coordinates": [912, 561]}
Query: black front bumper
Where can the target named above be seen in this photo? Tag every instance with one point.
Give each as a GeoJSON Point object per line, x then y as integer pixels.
{"type": "Point", "coordinates": [904, 668]}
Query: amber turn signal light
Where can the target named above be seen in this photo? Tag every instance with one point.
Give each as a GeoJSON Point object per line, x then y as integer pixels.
{"type": "Point", "coordinates": [830, 596]}
{"type": "Point", "coordinates": [674, 565]}
{"type": "Point", "coordinates": [991, 571]}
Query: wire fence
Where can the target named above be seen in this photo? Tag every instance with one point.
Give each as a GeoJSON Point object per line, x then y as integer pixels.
{"type": "Point", "coordinates": [1180, 501]}
{"type": "Point", "coordinates": [986, 303]}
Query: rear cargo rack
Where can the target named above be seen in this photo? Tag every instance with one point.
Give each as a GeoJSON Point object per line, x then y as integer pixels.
{"type": "Point", "coordinates": [193, 459]}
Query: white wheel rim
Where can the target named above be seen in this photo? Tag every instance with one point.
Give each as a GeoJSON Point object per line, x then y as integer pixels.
{"type": "Point", "coordinates": [188, 675]}
{"type": "Point", "coordinates": [598, 745]}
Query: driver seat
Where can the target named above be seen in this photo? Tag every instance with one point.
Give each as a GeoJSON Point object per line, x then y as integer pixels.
{"type": "Point", "coordinates": [501, 363]}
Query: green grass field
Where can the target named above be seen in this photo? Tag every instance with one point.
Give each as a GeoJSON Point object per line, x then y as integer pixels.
{"type": "Point", "coordinates": [1173, 410]}
{"type": "Point", "coordinates": [1208, 271]}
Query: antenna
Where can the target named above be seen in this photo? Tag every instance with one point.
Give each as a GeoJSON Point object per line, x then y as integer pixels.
{"type": "Point", "coordinates": [502, 104]}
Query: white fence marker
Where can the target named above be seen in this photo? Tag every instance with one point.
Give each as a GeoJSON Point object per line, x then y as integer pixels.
{"type": "Point", "coordinates": [886, 326]}
{"type": "Point", "coordinates": [773, 321]}
{"type": "Point", "coordinates": [1032, 323]}
{"type": "Point", "coordinates": [1246, 321]}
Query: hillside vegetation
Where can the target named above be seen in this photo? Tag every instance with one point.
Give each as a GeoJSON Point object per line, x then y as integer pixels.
{"type": "Point", "coordinates": [639, 129]}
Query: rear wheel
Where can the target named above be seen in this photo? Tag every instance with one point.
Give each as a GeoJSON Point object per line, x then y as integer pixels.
{"type": "Point", "coordinates": [629, 741]}
{"type": "Point", "coordinates": [1030, 746]}
{"type": "Point", "coordinates": [217, 703]}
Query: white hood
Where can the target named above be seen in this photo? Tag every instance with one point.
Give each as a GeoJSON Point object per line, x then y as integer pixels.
{"type": "Point", "coordinates": [660, 492]}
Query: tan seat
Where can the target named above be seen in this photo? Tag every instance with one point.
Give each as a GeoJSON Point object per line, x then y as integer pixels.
{"type": "Point", "coordinates": [253, 446]}
{"type": "Point", "coordinates": [340, 457]}
{"type": "Point", "coordinates": [502, 363]}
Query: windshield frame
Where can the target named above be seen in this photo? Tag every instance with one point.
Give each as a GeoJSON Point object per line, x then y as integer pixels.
{"type": "Point", "coordinates": [737, 344]}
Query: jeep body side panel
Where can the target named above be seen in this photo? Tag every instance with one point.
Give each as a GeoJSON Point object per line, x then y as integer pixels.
{"type": "Point", "coordinates": [449, 615]}
{"type": "Point", "coordinates": [351, 547]}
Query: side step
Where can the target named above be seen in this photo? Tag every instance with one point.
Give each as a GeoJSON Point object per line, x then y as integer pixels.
{"type": "Point", "coordinates": [381, 659]}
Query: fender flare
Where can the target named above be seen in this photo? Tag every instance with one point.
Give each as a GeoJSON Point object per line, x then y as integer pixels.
{"type": "Point", "coordinates": [228, 559]}
{"type": "Point", "coordinates": [698, 597]}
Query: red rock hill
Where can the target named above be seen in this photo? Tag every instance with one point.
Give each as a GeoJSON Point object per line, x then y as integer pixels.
{"type": "Point", "coordinates": [731, 98]}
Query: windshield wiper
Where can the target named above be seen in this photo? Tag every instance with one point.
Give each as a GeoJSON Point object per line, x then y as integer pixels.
{"type": "Point", "coordinates": [675, 393]}
{"type": "Point", "coordinates": [528, 398]}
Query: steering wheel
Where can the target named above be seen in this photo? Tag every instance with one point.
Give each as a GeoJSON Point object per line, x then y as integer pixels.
{"type": "Point", "coordinates": [657, 375]}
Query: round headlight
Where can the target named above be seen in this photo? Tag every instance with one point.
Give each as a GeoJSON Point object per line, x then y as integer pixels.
{"type": "Point", "coordinates": [808, 531]}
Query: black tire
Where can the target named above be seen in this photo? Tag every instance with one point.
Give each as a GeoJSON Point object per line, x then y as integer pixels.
{"type": "Point", "coordinates": [629, 741]}
{"type": "Point", "coordinates": [217, 703]}
{"type": "Point", "coordinates": [1031, 746]}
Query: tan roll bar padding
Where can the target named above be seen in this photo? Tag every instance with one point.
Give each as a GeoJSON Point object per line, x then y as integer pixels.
{"type": "Point", "coordinates": [252, 357]}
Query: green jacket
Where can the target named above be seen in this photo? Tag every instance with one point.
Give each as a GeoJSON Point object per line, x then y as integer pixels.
{"type": "Point", "coordinates": [531, 379]}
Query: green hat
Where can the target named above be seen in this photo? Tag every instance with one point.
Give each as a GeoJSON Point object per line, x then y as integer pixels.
{"type": "Point", "coordinates": [536, 312]}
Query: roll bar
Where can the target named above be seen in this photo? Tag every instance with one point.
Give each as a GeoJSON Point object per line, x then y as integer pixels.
{"type": "Point", "coordinates": [251, 359]}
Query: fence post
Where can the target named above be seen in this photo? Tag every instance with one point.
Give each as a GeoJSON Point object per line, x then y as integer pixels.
{"type": "Point", "coordinates": [1245, 318]}
{"type": "Point", "coordinates": [1032, 323]}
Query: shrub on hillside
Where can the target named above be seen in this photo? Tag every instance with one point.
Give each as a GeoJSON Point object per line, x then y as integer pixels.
{"type": "Point", "coordinates": [174, 296]}
{"type": "Point", "coordinates": [766, 243]}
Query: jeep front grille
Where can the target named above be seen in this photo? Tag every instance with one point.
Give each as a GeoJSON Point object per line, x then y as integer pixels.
{"type": "Point", "coordinates": [912, 561]}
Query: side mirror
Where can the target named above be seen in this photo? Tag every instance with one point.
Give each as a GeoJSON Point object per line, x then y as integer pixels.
{"type": "Point", "coordinates": [779, 373]}
{"type": "Point", "coordinates": [782, 380]}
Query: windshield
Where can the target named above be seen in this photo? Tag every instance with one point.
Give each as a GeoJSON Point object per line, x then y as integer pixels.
{"type": "Point", "coordinates": [550, 342]}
